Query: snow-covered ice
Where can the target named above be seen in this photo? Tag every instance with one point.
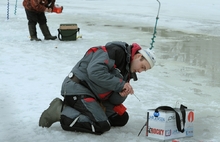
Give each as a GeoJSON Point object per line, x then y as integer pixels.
{"type": "Point", "coordinates": [187, 69]}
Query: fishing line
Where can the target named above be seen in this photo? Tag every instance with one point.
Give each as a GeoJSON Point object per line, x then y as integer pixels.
{"type": "Point", "coordinates": [137, 97]}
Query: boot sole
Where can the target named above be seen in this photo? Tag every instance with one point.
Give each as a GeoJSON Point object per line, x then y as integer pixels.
{"type": "Point", "coordinates": [35, 39]}
{"type": "Point", "coordinates": [50, 38]}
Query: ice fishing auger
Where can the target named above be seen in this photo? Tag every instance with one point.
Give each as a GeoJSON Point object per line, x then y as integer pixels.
{"type": "Point", "coordinates": [155, 27]}
{"type": "Point", "coordinates": [15, 10]}
{"type": "Point", "coordinates": [154, 36]}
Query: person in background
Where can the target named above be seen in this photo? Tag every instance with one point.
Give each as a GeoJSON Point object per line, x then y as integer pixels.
{"type": "Point", "coordinates": [35, 11]}
{"type": "Point", "coordinates": [96, 87]}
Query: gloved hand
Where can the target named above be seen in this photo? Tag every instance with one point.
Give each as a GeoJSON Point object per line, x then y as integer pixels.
{"type": "Point", "coordinates": [48, 10]}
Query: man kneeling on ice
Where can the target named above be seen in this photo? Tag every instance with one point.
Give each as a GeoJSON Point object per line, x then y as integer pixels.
{"type": "Point", "coordinates": [96, 88]}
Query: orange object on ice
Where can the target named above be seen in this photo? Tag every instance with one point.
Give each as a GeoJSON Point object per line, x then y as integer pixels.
{"type": "Point", "coordinates": [57, 9]}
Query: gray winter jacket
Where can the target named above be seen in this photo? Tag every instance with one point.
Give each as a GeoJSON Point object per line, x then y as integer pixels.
{"type": "Point", "coordinates": [99, 71]}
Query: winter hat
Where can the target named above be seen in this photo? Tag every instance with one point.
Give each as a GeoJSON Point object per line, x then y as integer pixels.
{"type": "Point", "coordinates": [149, 56]}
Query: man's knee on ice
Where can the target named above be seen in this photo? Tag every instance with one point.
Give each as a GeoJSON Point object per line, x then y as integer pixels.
{"type": "Point", "coordinates": [75, 125]}
{"type": "Point", "coordinates": [119, 120]}
{"type": "Point", "coordinates": [72, 120]}
{"type": "Point", "coordinates": [117, 115]}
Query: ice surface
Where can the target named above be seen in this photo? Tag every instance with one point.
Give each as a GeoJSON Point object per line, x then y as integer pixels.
{"type": "Point", "coordinates": [187, 68]}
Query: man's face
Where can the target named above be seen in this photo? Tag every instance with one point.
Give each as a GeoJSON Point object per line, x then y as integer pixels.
{"type": "Point", "coordinates": [139, 64]}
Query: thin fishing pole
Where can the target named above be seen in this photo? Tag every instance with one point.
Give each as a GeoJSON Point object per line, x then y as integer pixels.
{"type": "Point", "coordinates": [155, 27]}
{"type": "Point", "coordinates": [137, 97]}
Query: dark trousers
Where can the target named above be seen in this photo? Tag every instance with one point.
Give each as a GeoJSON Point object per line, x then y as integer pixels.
{"type": "Point", "coordinates": [100, 114]}
{"type": "Point", "coordinates": [36, 17]}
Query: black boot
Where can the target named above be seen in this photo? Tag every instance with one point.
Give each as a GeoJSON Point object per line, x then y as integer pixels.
{"type": "Point", "coordinates": [45, 30]}
{"type": "Point", "coordinates": [33, 33]}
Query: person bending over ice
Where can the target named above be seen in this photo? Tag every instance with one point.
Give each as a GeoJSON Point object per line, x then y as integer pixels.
{"type": "Point", "coordinates": [96, 87]}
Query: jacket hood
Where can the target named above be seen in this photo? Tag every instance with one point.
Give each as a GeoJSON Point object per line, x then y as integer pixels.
{"type": "Point", "coordinates": [135, 48]}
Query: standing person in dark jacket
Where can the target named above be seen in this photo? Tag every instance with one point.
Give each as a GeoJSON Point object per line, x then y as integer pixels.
{"type": "Point", "coordinates": [96, 88]}
{"type": "Point", "coordinates": [35, 11]}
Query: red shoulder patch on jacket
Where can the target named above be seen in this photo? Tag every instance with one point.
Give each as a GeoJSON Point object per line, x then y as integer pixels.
{"type": "Point", "coordinates": [94, 49]}
{"type": "Point", "coordinates": [91, 50]}
{"type": "Point", "coordinates": [104, 49]}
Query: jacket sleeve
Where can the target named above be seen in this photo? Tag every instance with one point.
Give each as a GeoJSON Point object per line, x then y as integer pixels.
{"type": "Point", "coordinates": [51, 4]}
{"type": "Point", "coordinates": [102, 72]}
